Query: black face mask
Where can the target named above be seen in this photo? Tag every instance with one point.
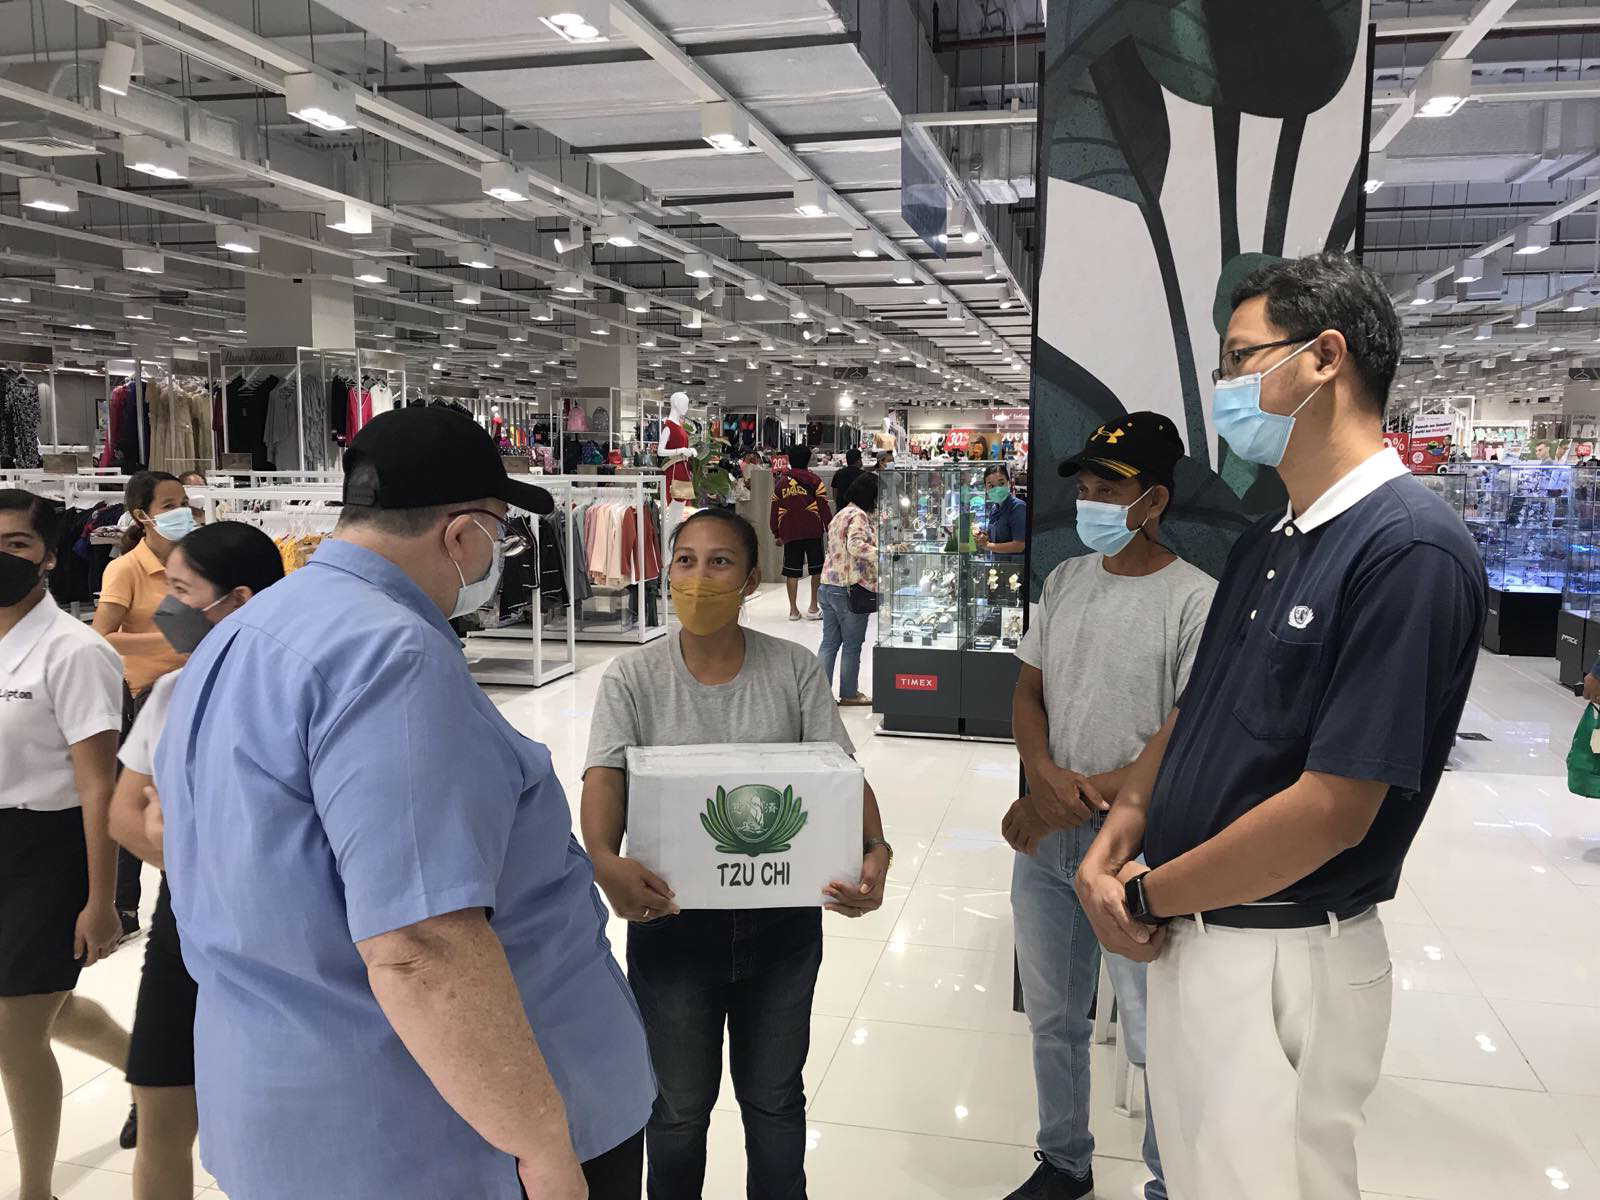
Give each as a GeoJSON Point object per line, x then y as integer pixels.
{"type": "Point", "coordinates": [18, 577]}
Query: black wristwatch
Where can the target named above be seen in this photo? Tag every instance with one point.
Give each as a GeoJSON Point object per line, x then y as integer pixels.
{"type": "Point", "coordinates": [1138, 906]}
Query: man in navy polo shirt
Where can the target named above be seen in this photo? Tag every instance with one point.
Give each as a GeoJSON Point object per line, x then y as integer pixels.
{"type": "Point", "coordinates": [1277, 802]}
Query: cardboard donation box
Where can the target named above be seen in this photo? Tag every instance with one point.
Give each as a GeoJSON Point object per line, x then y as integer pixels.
{"type": "Point", "coordinates": [746, 826]}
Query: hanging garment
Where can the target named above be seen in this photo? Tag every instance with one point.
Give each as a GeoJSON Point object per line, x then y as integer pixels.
{"type": "Point", "coordinates": [180, 426]}
{"type": "Point", "coordinates": [247, 419]}
{"type": "Point", "coordinates": [382, 398]}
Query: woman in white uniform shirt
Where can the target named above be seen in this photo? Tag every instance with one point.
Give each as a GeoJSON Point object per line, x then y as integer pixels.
{"type": "Point", "coordinates": [210, 574]}
{"type": "Point", "coordinates": [60, 713]}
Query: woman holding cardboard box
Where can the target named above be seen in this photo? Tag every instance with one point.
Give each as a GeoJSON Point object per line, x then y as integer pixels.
{"type": "Point", "coordinates": [695, 971]}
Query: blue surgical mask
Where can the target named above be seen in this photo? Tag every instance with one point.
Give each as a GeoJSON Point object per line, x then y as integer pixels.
{"type": "Point", "coordinates": [176, 524]}
{"type": "Point", "coordinates": [473, 596]}
{"type": "Point", "coordinates": [1253, 434]}
{"type": "Point", "coordinates": [1104, 527]}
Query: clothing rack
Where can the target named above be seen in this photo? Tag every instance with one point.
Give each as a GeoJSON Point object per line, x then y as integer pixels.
{"type": "Point", "coordinates": [637, 490]}
{"type": "Point", "coordinates": [534, 668]}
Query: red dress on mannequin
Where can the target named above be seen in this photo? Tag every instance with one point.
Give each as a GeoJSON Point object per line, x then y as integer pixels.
{"type": "Point", "coordinates": [678, 472]}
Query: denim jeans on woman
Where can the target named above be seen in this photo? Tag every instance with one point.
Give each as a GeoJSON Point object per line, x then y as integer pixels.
{"type": "Point", "coordinates": [753, 970]}
{"type": "Point", "coordinates": [841, 630]}
{"type": "Point", "coordinates": [1058, 958]}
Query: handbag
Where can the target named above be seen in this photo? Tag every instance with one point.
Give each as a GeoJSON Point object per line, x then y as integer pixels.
{"type": "Point", "coordinates": [682, 489]}
{"type": "Point", "coordinates": [1583, 760]}
{"type": "Point", "coordinates": [863, 601]}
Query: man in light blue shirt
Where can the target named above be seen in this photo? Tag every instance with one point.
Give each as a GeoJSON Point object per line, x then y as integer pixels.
{"type": "Point", "coordinates": [405, 985]}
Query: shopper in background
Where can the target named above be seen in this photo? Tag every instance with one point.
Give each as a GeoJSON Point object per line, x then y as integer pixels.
{"type": "Point", "coordinates": [1008, 517]}
{"type": "Point", "coordinates": [1591, 684]}
{"type": "Point", "coordinates": [135, 583]}
{"type": "Point", "coordinates": [1128, 617]}
{"type": "Point", "coordinates": [1278, 802]}
{"type": "Point", "coordinates": [194, 480]}
{"type": "Point", "coordinates": [845, 476]}
{"type": "Point", "coordinates": [852, 564]}
{"type": "Point", "coordinates": [751, 970]}
{"type": "Point", "coordinates": [60, 710]}
{"type": "Point", "coordinates": [405, 985]}
{"type": "Point", "coordinates": [213, 573]}
{"type": "Point", "coordinates": [799, 518]}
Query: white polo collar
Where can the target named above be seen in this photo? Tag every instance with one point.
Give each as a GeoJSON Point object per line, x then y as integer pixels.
{"type": "Point", "coordinates": [26, 633]}
{"type": "Point", "coordinates": [1355, 486]}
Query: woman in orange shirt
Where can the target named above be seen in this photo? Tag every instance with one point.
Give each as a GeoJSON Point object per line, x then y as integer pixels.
{"type": "Point", "coordinates": [134, 584]}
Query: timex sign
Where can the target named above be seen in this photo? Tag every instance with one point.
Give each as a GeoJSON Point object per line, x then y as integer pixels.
{"type": "Point", "coordinates": [916, 683]}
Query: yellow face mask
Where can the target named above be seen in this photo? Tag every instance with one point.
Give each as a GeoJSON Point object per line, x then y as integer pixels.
{"type": "Point", "coordinates": [705, 606]}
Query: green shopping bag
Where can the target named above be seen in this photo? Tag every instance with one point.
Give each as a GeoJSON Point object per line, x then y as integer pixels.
{"type": "Point", "coordinates": [1583, 760]}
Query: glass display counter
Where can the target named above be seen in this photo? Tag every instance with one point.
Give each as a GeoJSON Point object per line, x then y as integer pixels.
{"type": "Point", "coordinates": [1578, 625]}
{"type": "Point", "coordinates": [949, 615]}
{"type": "Point", "coordinates": [1518, 514]}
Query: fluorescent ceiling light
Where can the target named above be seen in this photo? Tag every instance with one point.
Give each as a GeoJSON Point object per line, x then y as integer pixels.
{"type": "Point", "coordinates": [152, 156]}
{"type": "Point", "coordinates": [369, 271]}
{"type": "Point", "coordinates": [932, 296]}
{"type": "Point", "coordinates": [1443, 87]}
{"type": "Point", "coordinates": [634, 302]}
{"type": "Point", "coordinates": [861, 337]}
{"type": "Point", "coordinates": [693, 320]}
{"type": "Point", "coordinates": [541, 313]}
{"type": "Point", "coordinates": [474, 255]}
{"type": "Point", "coordinates": [1377, 168]}
{"type": "Point", "coordinates": [517, 335]}
{"type": "Point", "coordinates": [768, 344]}
{"type": "Point", "coordinates": [1535, 239]}
{"type": "Point", "coordinates": [145, 262]}
{"type": "Point", "coordinates": [320, 102]}
{"type": "Point", "coordinates": [1485, 332]}
{"type": "Point", "coordinates": [503, 181]}
{"type": "Point", "coordinates": [755, 289]}
{"type": "Point", "coordinates": [568, 282]}
{"type": "Point", "coordinates": [466, 293]}
{"type": "Point", "coordinates": [599, 328]}
{"type": "Point", "coordinates": [238, 240]}
{"type": "Point", "coordinates": [450, 341]}
{"type": "Point", "coordinates": [952, 311]}
{"type": "Point", "coordinates": [141, 312]}
{"type": "Point", "coordinates": [47, 194]}
{"type": "Point", "coordinates": [991, 263]}
{"type": "Point", "coordinates": [1526, 319]}
{"type": "Point", "coordinates": [619, 231]}
{"type": "Point", "coordinates": [1427, 292]}
{"type": "Point", "coordinates": [1470, 270]}
{"type": "Point", "coordinates": [348, 217]}
{"type": "Point", "coordinates": [648, 341]}
{"type": "Point", "coordinates": [455, 324]}
{"type": "Point", "coordinates": [697, 266]}
{"type": "Point", "coordinates": [117, 67]}
{"type": "Point", "coordinates": [719, 294]}
{"type": "Point", "coordinates": [971, 327]}
{"type": "Point", "coordinates": [385, 332]}
{"type": "Point", "coordinates": [809, 199]}
{"type": "Point", "coordinates": [835, 325]}
{"type": "Point", "coordinates": [904, 275]}
{"type": "Point", "coordinates": [798, 310]}
{"type": "Point", "coordinates": [1577, 303]}
{"type": "Point", "coordinates": [864, 243]}
{"type": "Point", "coordinates": [14, 293]}
{"type": "Point", "coordinates": [572, 27]}
{"type": "Point", "coordinates": [76, 281]}
{"type": "Point", "coordinates": [723, 127]}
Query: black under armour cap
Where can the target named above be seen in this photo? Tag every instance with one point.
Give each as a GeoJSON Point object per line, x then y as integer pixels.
{"type": "Point", "coordinates": [432, 456]}
{"type": "Point", "coordinates": [1141, 443]}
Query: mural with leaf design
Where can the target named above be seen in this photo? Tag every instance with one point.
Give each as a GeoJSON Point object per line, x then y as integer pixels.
{"type": "Point", "coordinates": [1182, 143]}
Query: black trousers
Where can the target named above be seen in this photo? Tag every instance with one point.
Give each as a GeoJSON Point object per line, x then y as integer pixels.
{"type": "Point", "coordinates": [616, 1174]}
{"type": "Point", "coordinates": [128, 865]}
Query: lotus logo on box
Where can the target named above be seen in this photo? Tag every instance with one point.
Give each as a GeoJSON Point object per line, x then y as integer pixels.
{"type": "Point", "coordinates": [753, 820]}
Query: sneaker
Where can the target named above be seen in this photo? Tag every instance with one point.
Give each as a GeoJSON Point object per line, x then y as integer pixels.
{"type": "Point", "coordinates": [129, 1138]}
{"type": "Point", "coordinates": [130, 923]}
{"type": "Point", "coordinates": [1050, 1183]}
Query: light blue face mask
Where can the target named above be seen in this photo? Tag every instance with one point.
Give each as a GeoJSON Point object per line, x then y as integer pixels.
{"type": "Point", "coordinates": [175, 524]}
{"type": "Point", "coordinates": [473, 596]}
{"type": "Point", "coordinates": [1104, 527]}
{"type": "Point", "coordinates": [1253, 434]}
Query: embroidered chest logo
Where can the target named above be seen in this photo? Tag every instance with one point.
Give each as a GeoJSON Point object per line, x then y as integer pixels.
{"type": "Point", "coordinates": [1300, 616]}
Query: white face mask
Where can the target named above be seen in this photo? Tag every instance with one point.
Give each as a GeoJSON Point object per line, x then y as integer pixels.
{"type": "Point", "coordinates": [473, 596]}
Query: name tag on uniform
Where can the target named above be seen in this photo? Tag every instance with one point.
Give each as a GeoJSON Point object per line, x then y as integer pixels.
{"type": "Point", "coordinates": [746, 826]}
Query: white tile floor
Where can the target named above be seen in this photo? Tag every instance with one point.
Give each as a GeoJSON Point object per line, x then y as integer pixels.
{"type": "Point", "coordinates": [920, 1079]}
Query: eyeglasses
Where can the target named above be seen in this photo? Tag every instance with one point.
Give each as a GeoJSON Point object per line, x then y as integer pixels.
{"type": "Point", "coordinates": [1232, 360]}
{"type": "Point", "coordinates": [509, 542]}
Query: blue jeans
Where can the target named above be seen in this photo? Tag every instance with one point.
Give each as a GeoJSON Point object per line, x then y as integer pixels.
{"type": "Point", "coordinates": [841, 630]}
{"type": "Point", "coordinates": [753, 970]}
{"type": "Point", "coordinates": [1058, 958]}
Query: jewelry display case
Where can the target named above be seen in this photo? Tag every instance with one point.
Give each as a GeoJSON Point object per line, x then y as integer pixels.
{"type": "Point", "coordinates": [1578, 625]}
{"type": "Point", "coordinates": [1519, 516]}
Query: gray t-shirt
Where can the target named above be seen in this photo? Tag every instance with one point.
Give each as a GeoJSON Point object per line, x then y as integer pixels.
{"type": "Point", "coordinates": [648, 698]}
{"type": "Point", "coordinates": [1115, 651]}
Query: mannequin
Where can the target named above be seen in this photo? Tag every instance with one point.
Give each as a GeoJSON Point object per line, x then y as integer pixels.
{"type": "Point", "coordinates": [497, 423]}
{"type": "Point", "coordinates": [675, 454]}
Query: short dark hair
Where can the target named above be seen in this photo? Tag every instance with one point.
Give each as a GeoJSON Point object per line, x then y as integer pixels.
{"type": "Point", "coordinates": [397, 522]}
{"type": "Point", "coordinates": [800, 456]}
{"type": "Point", "coordinates": [852, 456]}
{"type": "Point", "coordinates": [996, 469]}
{"type": "Point", "coordinates": [863, 492]}
{"type": "Point", "coordinates": [43, 516]}
{"type": "Point", "coordinates": [1306, 296]}
{"type": "Point", "coordinates": [743, 530]}
{"type": "Point", "coordinates": [232, 554]}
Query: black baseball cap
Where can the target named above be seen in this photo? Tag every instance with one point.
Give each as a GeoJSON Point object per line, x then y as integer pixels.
{"type": "Point", "coordinates": [1141, 443]}
{"type": "Point", "coordinates": [434, 456]}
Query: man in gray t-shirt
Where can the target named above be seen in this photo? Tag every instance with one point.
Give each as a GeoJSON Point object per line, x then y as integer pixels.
{"type": "Point", "coordinates": [1103, 662]}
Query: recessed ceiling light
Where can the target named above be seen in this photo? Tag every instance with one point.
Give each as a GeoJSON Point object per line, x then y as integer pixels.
{"type": "Point", "coordinates": [810, 200]}
{"type": "Point", "coordinates": [723, 127]}
{"type": "Point", "coordinates": [864, 243]}
{"type": "Point", "coordinates": [572, 27]}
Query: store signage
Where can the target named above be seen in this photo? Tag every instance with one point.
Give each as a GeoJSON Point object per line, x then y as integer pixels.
{"type": "Point", "coordinates": [1433, 425]}
{"type": "Point", "coordinates": [916, 683]}
{"type": "Point", "coordinates": [1398, 442]}
{"type": "Point", "coordinates": [780, 462]}
{"type": "Point", "coordinates": [515, 465]}
{"type": "Point", "coordinates": [60, 464]}
{"type": "Point", "coordinates": [958, 439]}
{"type": "Point", "coordinates": [236, 462]}
{"type": "Point", "coordinates": [924, 195]}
